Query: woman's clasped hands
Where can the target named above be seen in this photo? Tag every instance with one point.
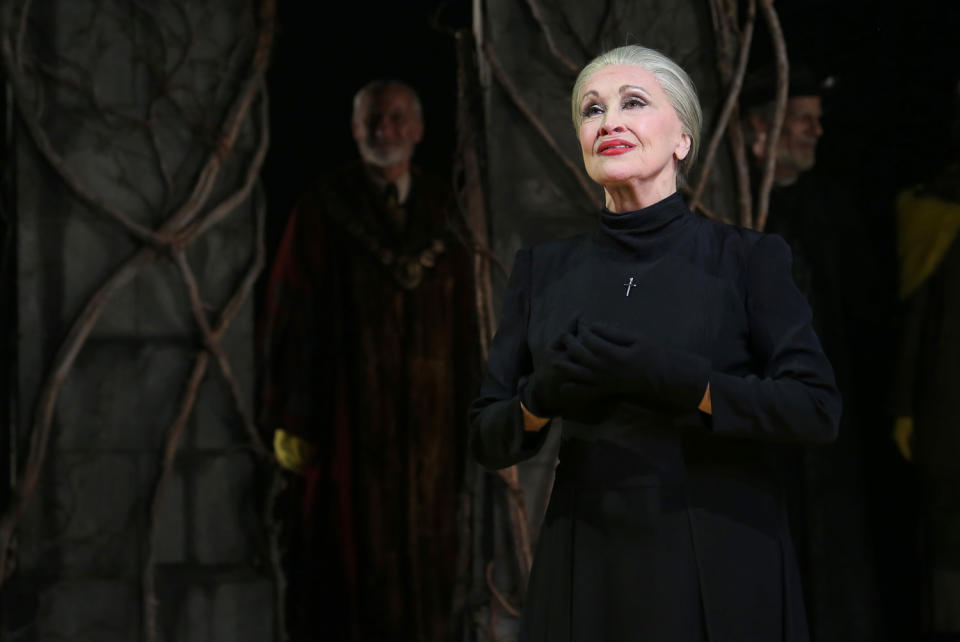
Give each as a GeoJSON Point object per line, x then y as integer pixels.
{"type": "Point", "coordinates": [595, 362]}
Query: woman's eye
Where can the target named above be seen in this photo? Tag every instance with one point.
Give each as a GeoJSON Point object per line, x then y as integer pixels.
{"type": "Point", "coordinates": [633, 102]}
{"type": "Point", "coordinates": [592, 110]}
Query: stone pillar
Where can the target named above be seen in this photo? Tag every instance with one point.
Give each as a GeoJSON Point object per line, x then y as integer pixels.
{"type": "Point", "coordinates": [139, 129]}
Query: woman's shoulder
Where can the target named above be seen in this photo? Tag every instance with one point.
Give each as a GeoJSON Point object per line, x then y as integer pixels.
{"type": "Point", "coordinates": [557, 248]}
{"type": "Point", "coordinates": [741, 240]}
{"type": "Point", "coordinates": [736, 250]}
{"type": "Point", "coordinates": [547, 256]}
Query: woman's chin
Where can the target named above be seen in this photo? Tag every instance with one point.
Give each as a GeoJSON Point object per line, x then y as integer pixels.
{"type": "Point", "coordinates": [613, 177]}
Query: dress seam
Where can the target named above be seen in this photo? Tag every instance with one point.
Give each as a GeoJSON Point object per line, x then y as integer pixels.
{"type": "Point", "coordinates": [696, 558]}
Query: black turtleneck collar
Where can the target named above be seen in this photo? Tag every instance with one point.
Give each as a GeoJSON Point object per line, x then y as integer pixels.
{"type": "Point", "coordinates": [649, 233]}
{"type": "Point", "coordinates": [648, 220]}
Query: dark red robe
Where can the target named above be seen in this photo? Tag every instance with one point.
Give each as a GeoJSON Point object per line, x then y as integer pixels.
{"type": "Point", "coordinates": [370, 354]}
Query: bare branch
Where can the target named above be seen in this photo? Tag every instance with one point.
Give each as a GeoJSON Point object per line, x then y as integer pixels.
{"type": "Point", "coordinates": [22, 32]}
{"type": "Point", "coordinates": [723, 25]}
{"type": "Point", "coordinates": [47, 399]}
{"type": "Point", "coordinates": [274, 526]}
{"type": "Point", "coordinates": [202, 188]}
{"type": "Point", "coordinates": [729, 106]}
{"type": "Point", "coordinates": [783, 70]}
{"type": "Point", "coordinates": [573, 30]}
{"type": "Point", "coordinates": [225, 207]}
{"type": "Point", "coordinates": [212, 344]}
{"type": "Point", "coordinates": [150, 601]}
{"type": "Point", "coordinates": [589, 190]}
{"type": "Point", "coordinates": [698, 207]}
{"type": "Point", "coordinates": [518, 518]}
{"type": "Point", "coordinates": [124, 274]}
{"type": "Point", "coordinates": [741, 166]}
{"type": "Point", "coordinates": [497, 594]}
{"type": "Point", "coordinates": [43, 144]}
{"type": "Point", "coordinates": [187, 46]}
{"type": "Point", "coordinates": [241, 296]}
{"type": "Point", "coordinates": [568, 64]}
{"type": "Point", "coordinates": [197, 306]}
{"type": "Point", "coordinates": [231, 126]}
{"type": "Point", "coordinates": [158, 155]}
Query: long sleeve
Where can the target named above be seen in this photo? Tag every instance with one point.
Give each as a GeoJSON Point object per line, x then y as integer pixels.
{"type": "Point", "coordinates": [497, 437]}
{"type": "Point", "coordinates": [296, 343]}
{"type": "Point", "coordinates": [795, 398]}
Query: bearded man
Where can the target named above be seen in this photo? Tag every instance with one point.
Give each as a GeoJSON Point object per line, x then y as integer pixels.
{"type": "Point", "coordinates": [370, 356]}
{"type": "Point", "coordinates": [840, 266]}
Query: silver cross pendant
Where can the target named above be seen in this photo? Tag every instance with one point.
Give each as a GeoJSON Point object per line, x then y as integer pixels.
{"type": "Point", "coordinates": [629, 285]}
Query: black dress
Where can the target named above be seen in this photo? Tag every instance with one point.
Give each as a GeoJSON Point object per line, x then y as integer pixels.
{"type": "Point", "coordinates": [664, 528]}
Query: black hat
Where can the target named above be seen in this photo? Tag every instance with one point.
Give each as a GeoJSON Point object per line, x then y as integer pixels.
{"type": "Point", "coordinates": [760, 85]}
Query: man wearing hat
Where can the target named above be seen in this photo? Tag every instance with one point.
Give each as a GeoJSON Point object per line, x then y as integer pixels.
{"type": "Point", "coordinates": [816, 213]}
{"type": "Point", "coordinates": [797, 146]}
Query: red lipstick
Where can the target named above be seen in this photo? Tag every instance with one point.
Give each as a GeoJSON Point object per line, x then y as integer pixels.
{"type": "Point", "coordinates": [614, 147]}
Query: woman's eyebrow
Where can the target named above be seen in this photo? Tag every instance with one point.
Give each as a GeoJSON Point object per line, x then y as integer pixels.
{"type": "Point", "coordinates": [592, 93]}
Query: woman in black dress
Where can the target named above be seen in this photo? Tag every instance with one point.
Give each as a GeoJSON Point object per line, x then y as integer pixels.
{"type": "Point", "coordinates": [678, 352]}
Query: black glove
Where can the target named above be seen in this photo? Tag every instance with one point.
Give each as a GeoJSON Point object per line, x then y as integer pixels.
{"type": "Point", "coordinates": [543, 391]}
{"type": "Point", "coordinates": [616, 363]}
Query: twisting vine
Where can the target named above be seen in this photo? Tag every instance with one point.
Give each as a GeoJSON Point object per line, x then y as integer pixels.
{"type": "Point", "coordinates": [589, 190]}
{"type": "Point", "coordinates": [725, 25]}
{"type": "Point", "coordinates": [733, 50]}
{"type": "Point", "coordinates": [180, 227]}
{"type": "Point", "coordinates": [780, 108]}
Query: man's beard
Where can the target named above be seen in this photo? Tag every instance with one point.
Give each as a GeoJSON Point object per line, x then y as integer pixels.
{"type": "Point", "coordinates": [384, 155]}
{"type": "Point", "coordinates": [806, 160]}
{"type": "Point", "coordinates": [799, 160]}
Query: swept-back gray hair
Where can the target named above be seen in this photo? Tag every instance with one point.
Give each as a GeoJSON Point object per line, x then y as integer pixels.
{"type": "Point", "coordinates": [380, 84]}
{"type": "Point", "coordinates": [676, 84]}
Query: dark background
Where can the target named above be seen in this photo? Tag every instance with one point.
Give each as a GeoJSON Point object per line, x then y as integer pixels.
{"type": "Point", "coordinates": [896, 65]}
{"type": "Point", "coordinates": [886, 120]}
{"type": "Point", "coordinates": [888, 124]}
{"type": "Point", "coordinates": [324, 53]}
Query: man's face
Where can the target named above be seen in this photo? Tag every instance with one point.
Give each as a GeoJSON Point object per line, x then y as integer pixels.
{"type": "Point", "coordinates": [387, 127]}
{"type": "Point", "coordinates": [797, 147]}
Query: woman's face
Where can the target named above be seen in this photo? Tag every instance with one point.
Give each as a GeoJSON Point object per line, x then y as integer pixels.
{"type": "Point", "coordinates": [629, 130]}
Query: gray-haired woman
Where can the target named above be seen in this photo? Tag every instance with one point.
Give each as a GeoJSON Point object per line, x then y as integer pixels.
{"type": "Point", "coordinates": [676, 349]}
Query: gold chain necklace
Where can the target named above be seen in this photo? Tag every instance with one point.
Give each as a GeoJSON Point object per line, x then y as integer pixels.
{"type": "Point", "coordinates": [407, 269]}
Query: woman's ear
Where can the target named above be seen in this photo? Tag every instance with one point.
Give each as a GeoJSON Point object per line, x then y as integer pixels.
{"type": "Point", "coordinates": [683, 147]}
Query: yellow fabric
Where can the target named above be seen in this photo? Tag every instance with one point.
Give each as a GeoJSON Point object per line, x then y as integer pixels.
{"type": "Point", "coordinates": [293, 453]}
{"type": "Point", "coordinates": [903, 436]}
{"type": "Point", "coordinates": [927, 227]}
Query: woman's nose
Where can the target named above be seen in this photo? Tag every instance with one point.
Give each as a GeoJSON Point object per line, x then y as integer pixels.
{"type": "Point", "coordinates": [610, 125]}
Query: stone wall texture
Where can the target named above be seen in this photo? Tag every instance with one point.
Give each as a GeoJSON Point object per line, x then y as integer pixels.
{"type": "Point", "coordinates": [118, 115]}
